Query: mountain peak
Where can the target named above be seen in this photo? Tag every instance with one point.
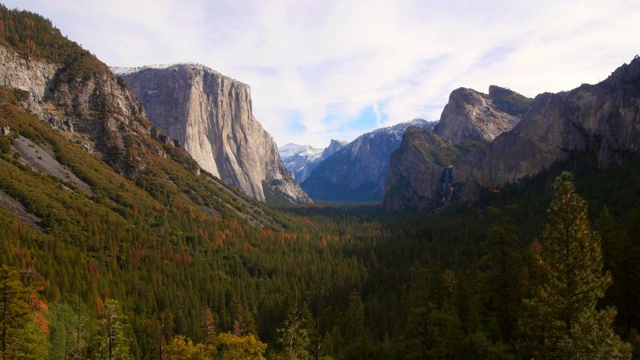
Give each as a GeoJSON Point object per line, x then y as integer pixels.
{"type": "Point", "coordinates": [597, 120]}
{"type": "Point", "coordinates": [473, 115]}
{"type": "Point", "coordinates": [334, 146]}
{"type": "Point", "coordinates": [127, 70]}
{"type": "Point", "coordinates": [123, 71]}
{"type": "Point", "coordinates": [357, 172]}
{"type": "Point", "coordinates": [626, 74]}
{"type": "Point", "coordinates": [211, 114]}
{"type": "Point", "coordinates": [301, 160]}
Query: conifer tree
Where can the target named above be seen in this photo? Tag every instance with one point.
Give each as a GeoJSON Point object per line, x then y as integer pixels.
{"type": "Point", "coordinates": [359, 343]}
{"type": "Point", "coordinates": [355, 316]}
{"type": "Point", "coordinates": [502, 281]}
{"type": "Point", "coordinates": [114, 343]}
{"type": "Point", "coordinates": [443, 321]}
{"type": "Point", "coordinates": [417, 332]}
{"type": "Point", "coordinates": [562, 319]}
{"type": "Point", "coordinates": [207, 327]}
{"type": "Point", "coordinates": [295, 336]}
{"type": "Point", "coordinates": [69, 329]}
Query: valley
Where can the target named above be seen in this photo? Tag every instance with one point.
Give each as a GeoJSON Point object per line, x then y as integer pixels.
{"type": "Point", "coordinates": [147, 214]}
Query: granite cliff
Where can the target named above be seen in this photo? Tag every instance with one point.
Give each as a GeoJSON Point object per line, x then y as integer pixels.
{"type": "Point", "coordinates": [419, 167]}
{"type": "Point", "coordinates": [69, 126]}
{"type": "Point", "coordinates": [472, 115]}
{"type": "Point", "coordinates": [211, 116]}
{"type": "Point", "coordinates": [334, 146]}
{"type": "Point", "coordinates": [81, 98]}
{"type": "Point", "coordinates": [602, 120]}
{"type": "Point", "coordinates": [420, 173]}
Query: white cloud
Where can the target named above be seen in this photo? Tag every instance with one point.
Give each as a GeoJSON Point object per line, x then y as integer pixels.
{"type": "Point", "coordinates": [323, 63]}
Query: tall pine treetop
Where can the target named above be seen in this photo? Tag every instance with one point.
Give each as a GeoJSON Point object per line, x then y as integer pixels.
{"type": "Point", "coordinates": [561, 318]}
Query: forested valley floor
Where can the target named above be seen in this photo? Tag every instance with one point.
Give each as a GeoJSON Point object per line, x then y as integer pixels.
{"type": "Point", "coordinates": [164, 280]}
{"type": "Point", "coordinates": [132, 253]}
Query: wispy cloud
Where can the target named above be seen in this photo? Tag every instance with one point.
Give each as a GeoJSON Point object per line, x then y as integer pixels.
{"type": "Point", "coordinates": [335, 69]}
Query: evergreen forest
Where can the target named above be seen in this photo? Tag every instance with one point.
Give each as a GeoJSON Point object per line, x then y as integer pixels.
{"type": "Point", "coordinates": [167, 264]}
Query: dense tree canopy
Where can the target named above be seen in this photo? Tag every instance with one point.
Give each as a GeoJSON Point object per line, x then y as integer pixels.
{"type": "Point", "coordinates": [169, 264]}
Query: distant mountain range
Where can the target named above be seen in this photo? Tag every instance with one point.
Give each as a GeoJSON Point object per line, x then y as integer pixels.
{"type": "Point", "coordinates": [302, 159]}
{"type": "Point", "coordinates": [357, 172]}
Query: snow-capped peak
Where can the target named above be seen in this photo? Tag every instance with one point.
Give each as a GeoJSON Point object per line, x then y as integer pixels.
{"type": "Point", "coordinates": [303, 151]}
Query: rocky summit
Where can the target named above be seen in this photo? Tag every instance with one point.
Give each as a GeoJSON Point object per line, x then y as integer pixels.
{"type": "Point", "coordinates": [472, 115]}
{"type": "Point", "coordinates": [211, 116]}
{"type": "Point", "coordinates": [82, 99]}
{"type": "Point", "coordinates": [601, 120]}
{"type": "Point", "coordinates": [420, 166]}
{"type": "Point", "coordinates": [421, 170]}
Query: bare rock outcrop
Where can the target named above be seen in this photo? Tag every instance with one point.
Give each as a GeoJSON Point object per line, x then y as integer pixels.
{"type": "Point", "coordinates": [211, 116]}
{"type": "Point", "coordinates": [472, 115]}
{"type": "Point", "coordinates": [86, 102]}
{"type": "Point", "coordinates": [602, 120]}
{"type": "Point", "coordinates": [419, 172]}
{"type": "Point", "coordinates": [20, 72]}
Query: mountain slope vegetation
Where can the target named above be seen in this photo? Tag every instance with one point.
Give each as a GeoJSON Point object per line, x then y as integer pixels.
{"type": "Point", "coordinates": [128, 250]}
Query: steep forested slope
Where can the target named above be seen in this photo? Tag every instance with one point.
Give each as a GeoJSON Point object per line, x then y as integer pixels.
{"type": "Point", "coordinates": [120, 243]}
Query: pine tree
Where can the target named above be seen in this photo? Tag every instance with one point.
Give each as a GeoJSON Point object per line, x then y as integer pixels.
{"type": "Point", "coordinates": [69, 330]}
{"type": "Point", "coordinates": [360, 345]}
{"type": "Point", "coordinates": [417, 330]}
{"type": "Point", "coordinates": [355, 316]}
{"type": "Point", "coordinates": [61, 335]}
{"type": "Point", "coordinates": [113, 343]}
{"type": "Point", "coordinates": [562, 319]}
{"type": "Point", "coordinates": [295, 336]}
{"type": "Point", "coordinates": [502, 281]}
{"type": "Point", "coordinates": [443, 321]}
{"type": "Point", "coordinates": [207, 327]}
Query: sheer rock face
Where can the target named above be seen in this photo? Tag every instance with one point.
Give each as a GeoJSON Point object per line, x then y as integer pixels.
{"type": "Point", "coordinates": [51, 85]}
{"type": "Point", "coordinates": [18, 72]}
{"type": "Point", "coordinates": [417, 179]}
{"type": "Point", "coordinates": [421, 170]}
{"type": "Point", "coordinates": [333, 147]}
{"type": "Point", "coordinates": [471, 115]}
{"type": "Point", "coordinates": [602, 119]}
{"type": "Point", "coordinates": [211, 116]}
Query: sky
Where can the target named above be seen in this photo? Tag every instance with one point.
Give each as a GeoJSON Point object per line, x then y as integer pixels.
{"type": "Point", "coordinates": [334, 69]}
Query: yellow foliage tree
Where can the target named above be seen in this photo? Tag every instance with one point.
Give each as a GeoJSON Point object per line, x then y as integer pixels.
{"type": "Point", "coordinates": [246, 347]}
{"type": "Point", "coordinates": [181, 348]}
